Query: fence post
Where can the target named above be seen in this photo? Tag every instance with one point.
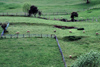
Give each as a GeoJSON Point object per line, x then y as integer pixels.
{"type": "Point", "coordinates": [57, 13]}
{"type": "Point", "coordinates": [17, 35]}
{"type": "Point", "coordinates": [1, 37]}
{"type": "Point", "coordinates": [86, 20]}
{"type": "Point", "coordinates": [96, 20]}
{"type": "Point", "coordinates": [7, 13]}
{"type": "Point", "coordinates": [47, 35]}
{"type": "Point", "coordinates": [35, 35]}
{"type": "Point", "coordinates": [60, 51]}
{"type": "Point", "coordinates": [3, 14]}
{"type": "Point", "coordinates": [16, 14]}
{"type": "Point", "coordinates": [10, 36]}
{"type": "Point", "coordinates": [4, 36]}
{"type": "Point", "coordinates": [51, 35]}
{"type": "Point", "coordinates": [54, 18]}
{"type": "Point", "coordinates": [53, 14]}
{"type": "Point", "coordinates": [41, 35]}
{"type": "Point", "coordinates": [49, 17]}
{"type": "Point", "coordinates": [23, 35]}
{"type": "Point", "coordinates": [78, 19]}
{"type": "Point", "coordinates": [29, 34]}
{"type": "Point", "coordinates": [92, 20]}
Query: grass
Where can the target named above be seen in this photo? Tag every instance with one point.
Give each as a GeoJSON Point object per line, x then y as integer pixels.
{"type": "Point", "coordinates": [48, 6]}
{"type": "Point", "coordinates": [89, 41]}
{"type": "Point", "coordinates": [30, 52]}
{"type": "Point", "coordinates": [0, 29]}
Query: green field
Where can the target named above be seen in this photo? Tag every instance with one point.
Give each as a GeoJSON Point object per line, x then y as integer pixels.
{"type": "Point", "coordinates": [0, 29]}
{"type": "Point", "coordinates": [88, 41]}
{"type": "Point", "coordinates": [30, 52]}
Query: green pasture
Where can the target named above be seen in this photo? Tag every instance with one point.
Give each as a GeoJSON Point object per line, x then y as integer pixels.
{"type": "Point", "coordinates": [47, 6]}
{"type": "Point", "coordinates": [30, 52]}
{"type": "Point", "coordinates": [87, 41]}
{"type": "Point", "coordinates": [1, 30]}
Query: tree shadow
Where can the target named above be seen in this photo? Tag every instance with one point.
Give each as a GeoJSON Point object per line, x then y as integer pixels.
{"type": "Point", "coordinates": [72, 38]}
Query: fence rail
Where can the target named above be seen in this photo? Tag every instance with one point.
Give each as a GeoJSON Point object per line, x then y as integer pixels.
{"type": "Point", "coordinates": [27, 35]}
{"type": "Point", "coordinates": [60, 51]}
{"type": "Point", "coordinates": [26, 14]}
{"type": "Point", "coordinates": [53, 13]}
{"type": "Point", "coordinates": [46, 16]}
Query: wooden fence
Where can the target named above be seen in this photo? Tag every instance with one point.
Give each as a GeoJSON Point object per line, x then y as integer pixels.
{"type": "Point", "coordinates": [27, 35]}
{"type": "Point", "coordinates": [26, 14]}
{"type": "Point", "coordinates": [44, 14]}
{"type": "Point", "coordinates": [60, 51]}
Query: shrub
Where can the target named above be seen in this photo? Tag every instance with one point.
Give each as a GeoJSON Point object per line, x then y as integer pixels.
{"type": "Point", "coordinates": [91, 59]}
{"type": "Point", "coordinates": [26, 7]}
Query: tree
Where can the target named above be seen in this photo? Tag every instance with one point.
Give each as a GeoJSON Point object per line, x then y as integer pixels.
{"type": "Point", "coordinates": [73, 15]}
{"type": "Point", "coordinates": [87, 1]}
{"type": "Point", "coordinates": [31, 9]}
{"type": "Point", "coordinates": [34, 10]}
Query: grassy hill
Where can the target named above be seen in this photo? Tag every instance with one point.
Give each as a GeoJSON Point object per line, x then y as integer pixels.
{"type": "Point", "coordinates": [47, 6]}
{"type": "Point", "coordinates": [87, 41]}
{"type": "Point", "coordinates": [29, 52]}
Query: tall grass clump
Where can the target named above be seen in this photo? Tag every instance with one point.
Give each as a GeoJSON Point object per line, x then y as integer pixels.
{"type": "Point", "coordinates": [91, 59]}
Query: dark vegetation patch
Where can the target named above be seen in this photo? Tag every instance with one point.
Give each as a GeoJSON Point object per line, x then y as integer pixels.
{"type": "Point", "coordinates": [64, 20]}
{"type": "Point", "coordinates": [72, 38]}
{"type": "Point", "coordinates": [24, 23]}
{"type": "Point", "coordinates": [65, 27]}
{"type": "Point", "coordinates": [68, 27]}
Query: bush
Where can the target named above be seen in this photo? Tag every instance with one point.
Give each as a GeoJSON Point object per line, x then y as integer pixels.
{"type": "Point", "coordinates": [26, 8]}
{"type": "Point", "coordinates": [91, 59]}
